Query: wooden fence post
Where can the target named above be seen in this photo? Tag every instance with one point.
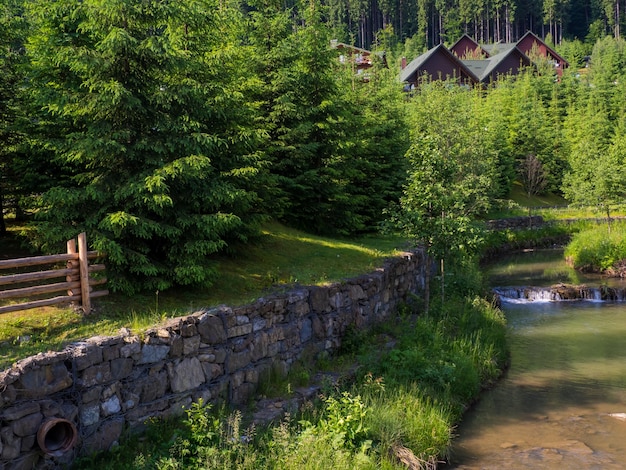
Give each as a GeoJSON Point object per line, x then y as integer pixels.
{"type": "Point", "coordinates": [71, 264]}
{"type": "Point", "coordinates": [84, 272]}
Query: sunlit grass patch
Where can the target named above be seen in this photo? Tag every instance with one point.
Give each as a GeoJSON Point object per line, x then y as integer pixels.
{"type": "Point", "coordinates": [281, 258]}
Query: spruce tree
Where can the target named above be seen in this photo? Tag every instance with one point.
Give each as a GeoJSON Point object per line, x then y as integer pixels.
{"type": "Point", "coordinates": [156, 143]}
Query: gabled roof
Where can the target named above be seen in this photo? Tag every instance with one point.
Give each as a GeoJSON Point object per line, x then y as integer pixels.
{"type": "Point", "coordinates": [526, 43]}
{"type": "Point", "coordinates": [466, 46]}
{"type": "Point", "coordinates": [426, 63]}
{"type": "Point", "coordinates": [509, 61]}
{"type": "Point", "coordinates": [498, 47]}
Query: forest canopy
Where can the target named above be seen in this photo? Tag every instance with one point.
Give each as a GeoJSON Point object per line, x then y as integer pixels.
{"type": "Point", "coordinates": [170, 131]}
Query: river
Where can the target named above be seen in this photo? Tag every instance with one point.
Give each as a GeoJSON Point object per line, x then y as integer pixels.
{"type": "Point", "coordinates": [562, 403]}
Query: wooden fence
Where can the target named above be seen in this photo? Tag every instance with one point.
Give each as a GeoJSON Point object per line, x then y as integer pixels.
{"type": "Point", "coordinates": [77, 287]}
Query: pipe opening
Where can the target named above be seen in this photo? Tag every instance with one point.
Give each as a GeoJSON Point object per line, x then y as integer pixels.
{"type": "Point", "coordinates": [56, 436]}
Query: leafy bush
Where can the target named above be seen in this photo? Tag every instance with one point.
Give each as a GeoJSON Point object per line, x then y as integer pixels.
{"type": "Point", "coordinates": [597, 249]}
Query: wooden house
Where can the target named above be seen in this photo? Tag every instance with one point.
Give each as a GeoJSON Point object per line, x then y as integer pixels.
{"type": "Point", "coordinates": [360, 59]}
{"type": "Point", "coordinates": [467, 48]}
{"type": "Point", "coordinates": [437, 64]}
{"type": "Point", "coordinates": [508, 62]}
{"type": "Point", "coordinates": [470, 62]}
{"type": "Point", "coordinates": [530, 44]}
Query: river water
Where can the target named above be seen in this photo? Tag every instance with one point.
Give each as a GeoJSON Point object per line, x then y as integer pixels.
{"type": "Point", "coordinates": [562, 403]}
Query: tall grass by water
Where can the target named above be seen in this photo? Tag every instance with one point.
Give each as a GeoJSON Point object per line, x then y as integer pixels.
{"type": "Point", "coordinates": [415, 376]}
{"type": "Point", "coordinates": [598, 248]}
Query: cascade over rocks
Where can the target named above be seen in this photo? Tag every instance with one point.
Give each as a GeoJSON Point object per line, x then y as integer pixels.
{"type": "Point", "coordinates": [561, 292]}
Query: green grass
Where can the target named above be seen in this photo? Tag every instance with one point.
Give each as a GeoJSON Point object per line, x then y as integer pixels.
{"type": "Point", "coordinates": [282, 257]}
{"type": "Point", "coordinates": [519, 196]}
{"type": "Point", "coordinates": [549, 206]}
{"type": "Point", "coordinates": [404, 400]}
{"type": "Point", "coordinates": [597, 249]}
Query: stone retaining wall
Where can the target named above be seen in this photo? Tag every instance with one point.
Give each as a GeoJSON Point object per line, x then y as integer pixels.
{"type": "Point", "coordinates": [515, 223]}
{"type": "Point", "coordinates": [96, 388]}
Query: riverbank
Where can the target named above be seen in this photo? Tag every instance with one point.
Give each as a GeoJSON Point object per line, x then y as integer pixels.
{"type": "Point", "coordinates": [396, 395]}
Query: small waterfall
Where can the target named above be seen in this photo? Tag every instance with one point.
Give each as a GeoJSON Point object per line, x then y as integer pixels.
{"type": "Point", "coordinates": [560, 292]}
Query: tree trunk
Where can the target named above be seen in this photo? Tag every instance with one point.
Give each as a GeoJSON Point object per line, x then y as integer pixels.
{"type": "Point", "coordinates": [443, 282]}
{"type": "Point", "coordinates": [427, 282]}
{"type": "Point", "coordinates": [3, 227]}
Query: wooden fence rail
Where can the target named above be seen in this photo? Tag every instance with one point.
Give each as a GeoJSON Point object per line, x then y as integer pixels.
{"type": "Point", "coordinates": [77, 286]}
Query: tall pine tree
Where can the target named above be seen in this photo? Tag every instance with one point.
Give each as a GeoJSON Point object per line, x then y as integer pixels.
{"type": "Point", "coordinates": [156, 138]}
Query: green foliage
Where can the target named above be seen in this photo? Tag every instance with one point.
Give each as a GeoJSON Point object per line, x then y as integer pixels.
{"type": "Point", "coordinates": [207, 441]}
{"type": "Point", "coordinates": [291, 254]}
{"type": "Point", "coordinates": [343, 420]}
{"type": "Point", "coordinates": [409, 397]}
{"type": "Point", "coordinates": [545, 235]}
{"type": "Point", "coordinates": [156, 135]}
{"type": "Point", "coordinates": [451, 352]}
{"type": "Point", "coordinates": [12, 33]}
{"type": "Point", "coordinates": [595, 250]}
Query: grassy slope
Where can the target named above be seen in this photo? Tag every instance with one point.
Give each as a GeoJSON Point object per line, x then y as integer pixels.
{"type": "Point", "coordinates": [283, 256]}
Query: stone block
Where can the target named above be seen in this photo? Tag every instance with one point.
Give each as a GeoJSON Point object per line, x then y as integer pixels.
{"type": "Point", "coordinates": [10, 443]}
{"type": "Point", "coordinates": [130, 400]}
{"type": "Point", "coordinates": [240, 330]}
{"type": "Point", "coordinates": [86, 355]}
{"type": "Point", "coordinates": [300, 308]}
{"type": "Point", "coordinates": [45, 380]}
{"type": "Point", "coordinates": [28, 425]}
{"type": "Point", "coordinates": [153, 353]}
{"type": "Point", "coordinates": [191, 345]}
{"type": "Point", "coordinates": [317, 326]}
{"type": "Point", "coordinates": [188, 329]}
{"type": "Point", "coordinates": [106, 435]}
{"type": "Point", "coordinates": [27, 460]}
{"type": "Point", "coordinates": [306, 330]}
{"type": "Point", "coordinates": [8, 395]}
{"type": "Point", "coordinates": [121, 368]}
{"type": "Point", "coordinates": [153, 386]}
{"type": "Point", "coordinates": [111, 352]}
{"type": "Point", "coordinates": [242, 393]}
{"type": "Point", "coordinates": [252, 376]}
{"type": "Point", "coordinates": [96, 375]}
{"type": "Point", "coordinates": [237, 378]}
{"type": "Point", "coordinates": [186, 375]}
{"type": "Point", "coordinates": [211, 329]}
{"type": "Point", "coordinates": [259, 347]}
{"type": "Point", "coordinates": [50, 408]}
{"type": "Point", "coordinates": [357, 293]}
{"type": "Point", "coordinates": [69, 411]}
{"type": "Point", "coordinates": [111, 406]}
{"type": "Point", "coordinates": [206, 357]}
{"type": "Point", "coordinates": [220, 355]}
{"type": "Point", "coordinates": [19, 411]}
{"type": "Point", "coordinates": [91, 394]}
{"type": "Point", "coordinates": [89, 414]}
{"type": "Point", "coordinates": [258, 324]}
{"type": "Point", "coordinates": [319, 300]}
{"type": "Point", "coordinates": [28, 443]}
{"type": "Point", "coordinates": [211, 371]}
{"type": "Point", "coordinates": [131, 348]}
{"type": "Point", "coordinates": [242, 319]}
{"type": "Point", "coordinates": [176, 345]}
{"type": "Point", "coordinates": [237, 361]}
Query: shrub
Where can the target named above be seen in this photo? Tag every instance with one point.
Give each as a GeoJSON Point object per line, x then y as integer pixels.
{"type": "Point", "coordinates": [597, 249]}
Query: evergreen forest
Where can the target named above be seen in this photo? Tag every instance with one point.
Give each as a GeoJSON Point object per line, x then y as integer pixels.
{"type": "Point", "coordinates": [171, 131]}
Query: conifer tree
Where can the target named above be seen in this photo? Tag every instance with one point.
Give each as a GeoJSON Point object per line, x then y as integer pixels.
{"type": "Point", "coordinates": [156, 142]}
{"type": "Point", "coordinates": [12, 31]}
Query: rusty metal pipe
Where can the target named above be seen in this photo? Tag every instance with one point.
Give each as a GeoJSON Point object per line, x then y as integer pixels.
{"type": "Point", "coordinates": [56, 436]}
